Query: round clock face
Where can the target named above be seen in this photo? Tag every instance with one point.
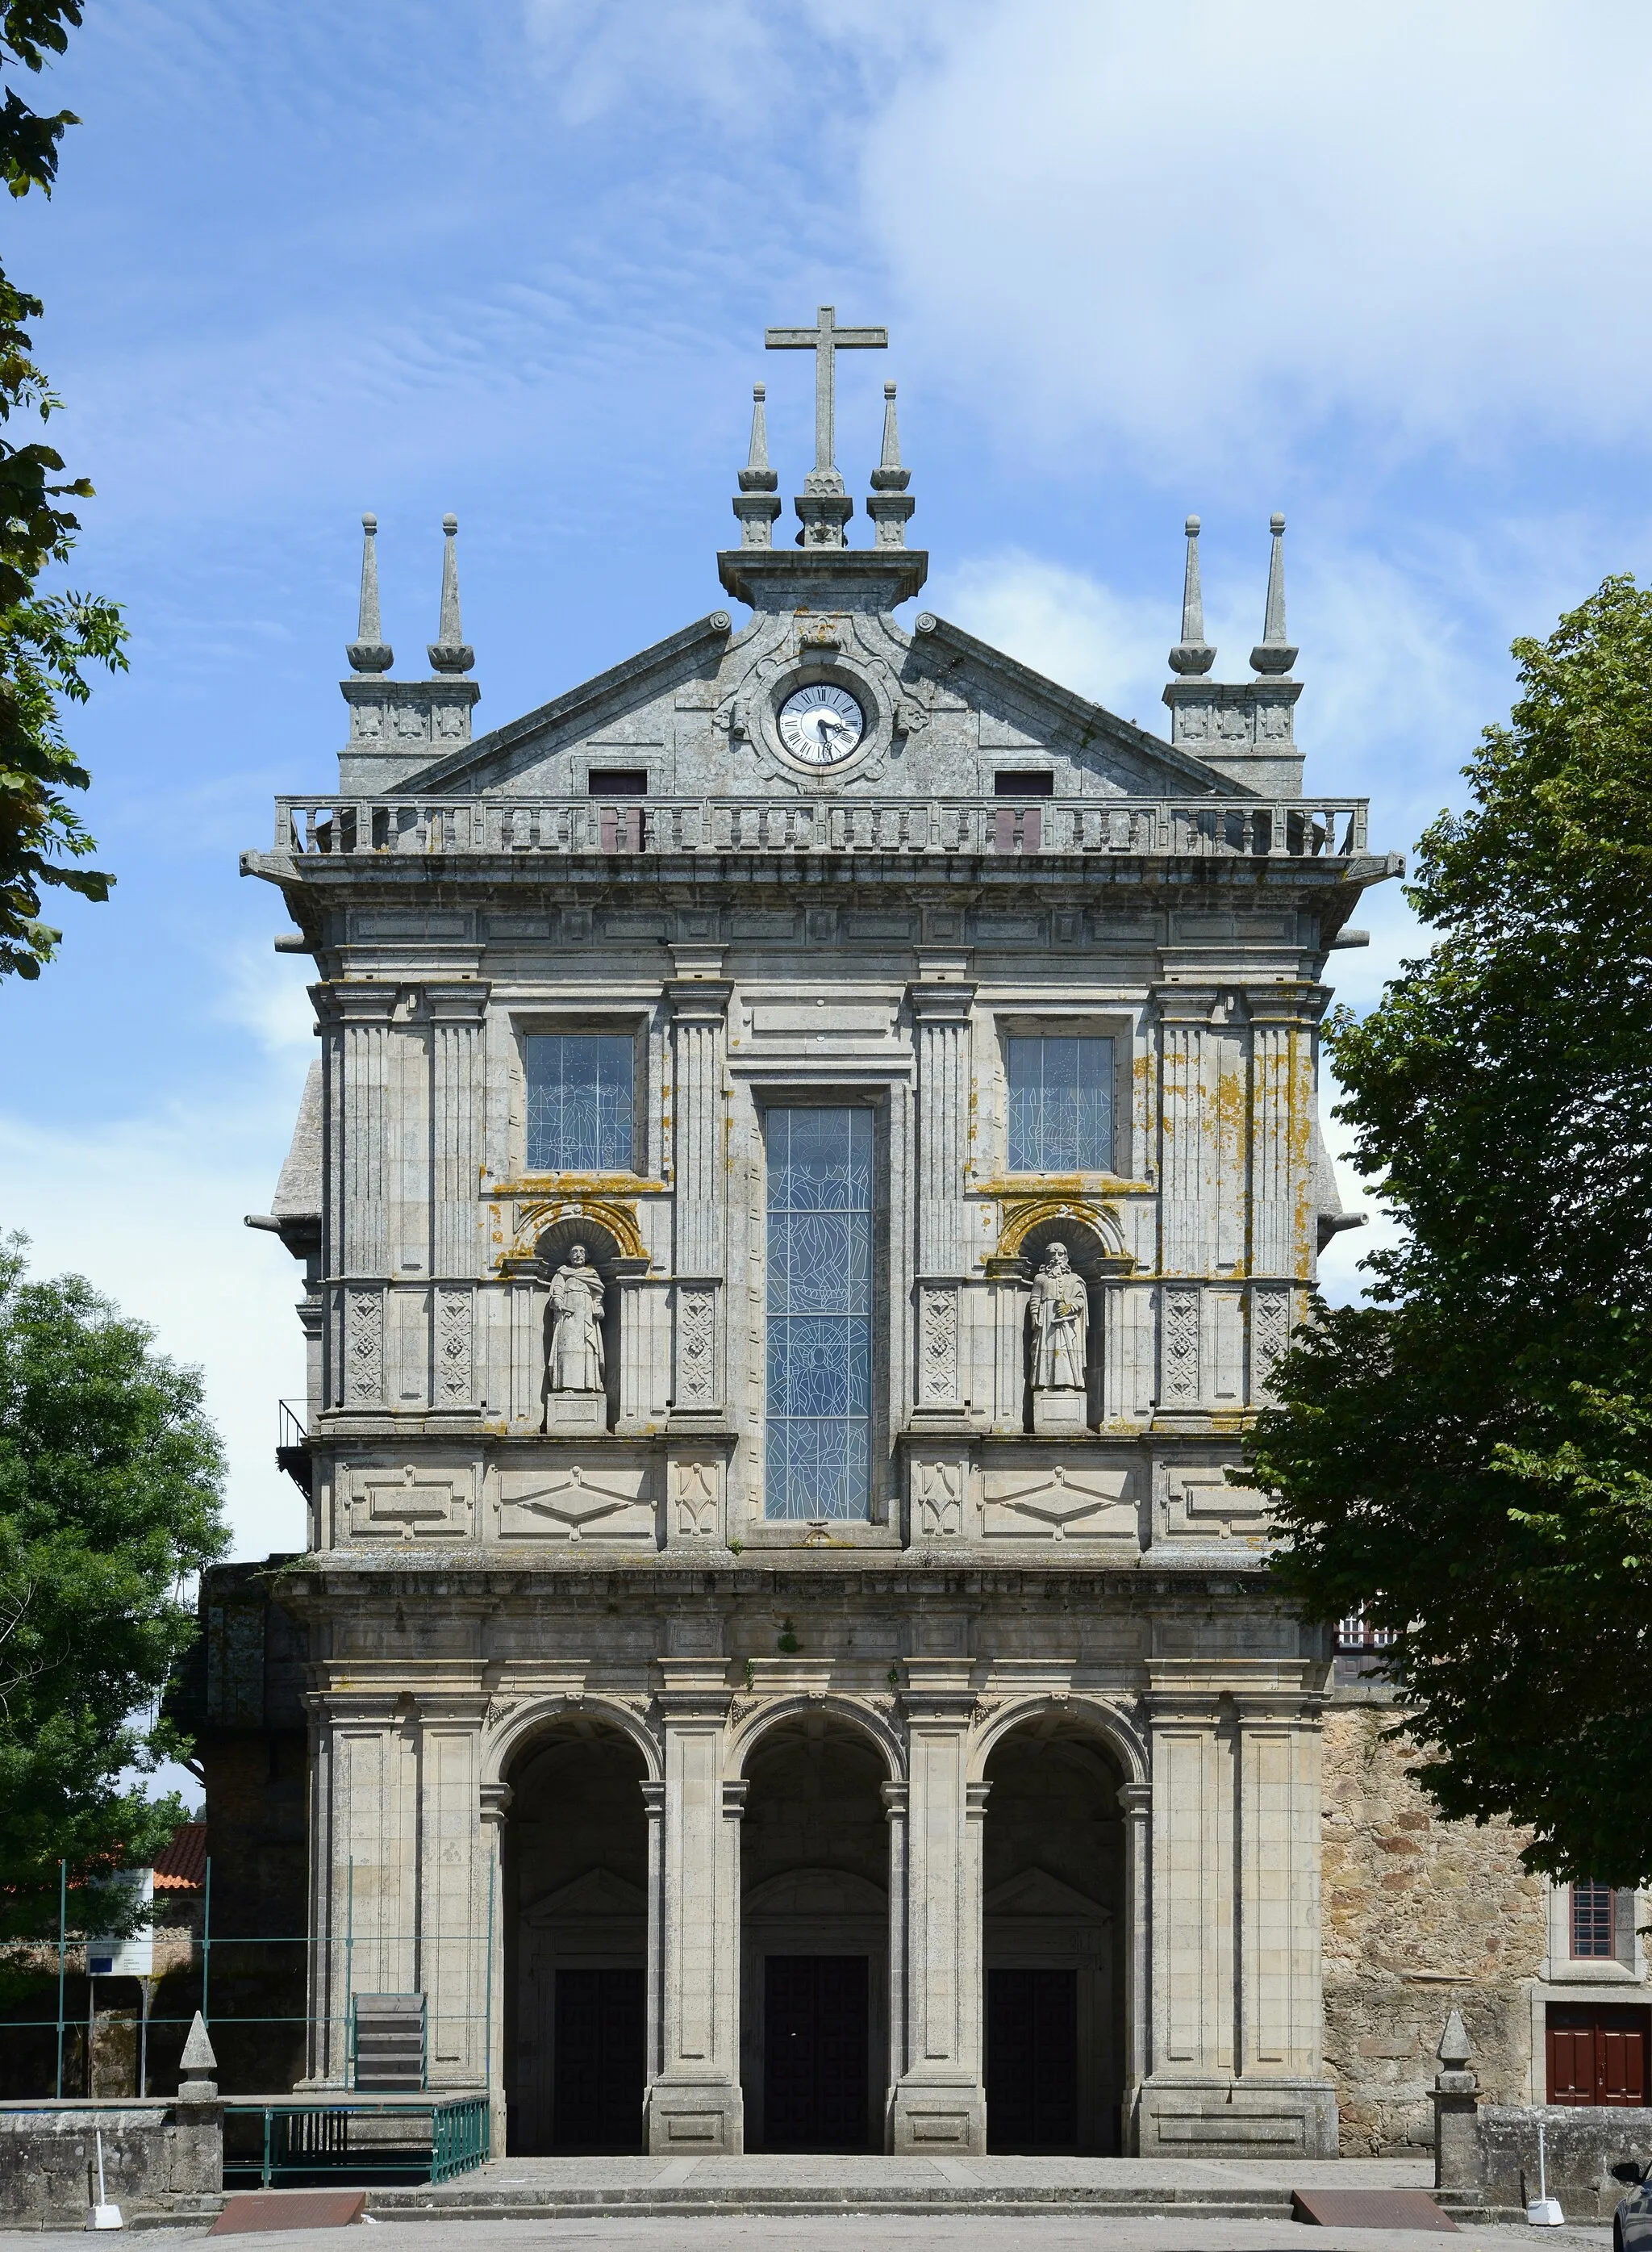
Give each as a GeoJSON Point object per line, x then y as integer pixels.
{"type": "Point", "coordinates": [822, 724]}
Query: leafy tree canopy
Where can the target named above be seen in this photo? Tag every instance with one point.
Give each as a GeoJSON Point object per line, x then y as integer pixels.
{"type": "Point", "coordinates": [46, 641]}
{"type": "Point", "coordinates": [110, 1479]}
{"type": "Point", "coordinates": [1468, 1457]}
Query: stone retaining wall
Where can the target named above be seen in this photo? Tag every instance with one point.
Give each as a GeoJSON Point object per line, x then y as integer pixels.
{"type": "Point", "coordinates": [1421, 1916]}
{"type": "Point", "coordinates": [1581, 2146]}
{"type": "Point", "coordinates": [154, 2153]}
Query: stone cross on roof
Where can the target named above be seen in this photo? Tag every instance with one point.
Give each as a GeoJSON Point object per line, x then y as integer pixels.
{"type": "Point", "coordinates": [825, 340]}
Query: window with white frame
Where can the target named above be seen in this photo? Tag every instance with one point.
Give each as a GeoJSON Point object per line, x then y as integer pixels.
{"type": "Point", "coordinates": [1594, 1937]}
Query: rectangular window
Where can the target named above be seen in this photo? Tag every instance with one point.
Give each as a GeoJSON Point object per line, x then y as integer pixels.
{"type": "Point", "coordinates": [579, 1101]}
{"type": "Point", "coordinates": [1592, 1917]}
{"type": "Point", "coordinates": [1060, 1105]}
{"type": "Point", "coordinates": [820, 1313]}
{"type": "Point", "coordinates": [1023, 782]}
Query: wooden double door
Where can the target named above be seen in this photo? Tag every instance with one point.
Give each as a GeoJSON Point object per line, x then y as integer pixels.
{"type": "Point", "coordinates": [816, 2043]}
{"type": "Point", "coordinates": [598, 2061]}
{"type": "Point", "coordinates": [1032, 2061]}
{"type": "Point", "coordinates": [1598, 2053]}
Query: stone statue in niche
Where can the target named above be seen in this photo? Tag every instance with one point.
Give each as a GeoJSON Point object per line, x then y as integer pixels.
{"type": "Point", "coordinates": [1061, 1316]}
{"type": "Point", "coordinates": [574, 1372]}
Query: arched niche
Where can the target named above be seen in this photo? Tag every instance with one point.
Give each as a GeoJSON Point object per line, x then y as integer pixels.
{"type": "Point", "coordinates": [1096, 1257]}
{"type": "Point", "coordinates": [552, 1249]}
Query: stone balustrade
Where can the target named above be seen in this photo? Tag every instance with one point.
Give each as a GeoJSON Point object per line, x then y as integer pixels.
{"type": "Point", "coordinates": [1319, 829]}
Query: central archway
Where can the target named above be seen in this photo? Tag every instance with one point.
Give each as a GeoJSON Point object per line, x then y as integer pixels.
{"type": "Point", "coordinates": [1053, 1926]}
{"type": "Point", "coordinates": [815, 1939]}
{"type": "Point", "coordinates": [575, 1866]}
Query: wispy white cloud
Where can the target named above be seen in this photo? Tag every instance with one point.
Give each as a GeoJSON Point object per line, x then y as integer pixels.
{"type": "Point", "coordinates": [1212, 230]}
{"type": "Point", "coordinates": [150, 1208]}
{"type": "Point", "coordinates": [1067, 624]}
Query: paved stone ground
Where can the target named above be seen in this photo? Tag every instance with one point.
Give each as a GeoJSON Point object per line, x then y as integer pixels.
{"type": "Point", "coordinates": [1056, 2232]}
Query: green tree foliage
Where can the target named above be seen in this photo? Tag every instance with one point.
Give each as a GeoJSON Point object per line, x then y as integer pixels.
{"type": "Point", "coordinates": [1469, 1456]}
{"type": "Point", "coordinates": [46, 641]}
{"type": "Point", "coordinates": [110, 1477]}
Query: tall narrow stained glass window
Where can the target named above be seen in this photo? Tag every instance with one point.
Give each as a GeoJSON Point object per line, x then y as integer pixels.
{"type": "Point", "coordinates": [820, 1309]}
{"type": "Point", "coordinates": [1060, 1105]}
{"type": "Point", "coordinates": [579, 1103]}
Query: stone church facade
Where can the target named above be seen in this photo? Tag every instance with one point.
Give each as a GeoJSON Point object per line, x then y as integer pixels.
{"type": "Point", "coordinates": [812, 1160]}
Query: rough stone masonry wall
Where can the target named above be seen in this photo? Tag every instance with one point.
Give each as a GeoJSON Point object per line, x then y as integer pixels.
{"type": "Point", "coordinates": [1420, 1916]}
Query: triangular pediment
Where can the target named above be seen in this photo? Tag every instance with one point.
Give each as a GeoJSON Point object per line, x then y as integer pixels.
{"type": "Point", "coordinates": [598, 1893]}
{"type": "Point", "coordinates": [1035, 1892]}
{"type": "Point", "coordinates": [817, 1893]}
{"type": "Point", "coordinates": [696, 715]}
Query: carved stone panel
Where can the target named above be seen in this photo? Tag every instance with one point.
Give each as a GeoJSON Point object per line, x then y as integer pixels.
{"type": "Point", "coordinates": [695, 1385]}
{"type": "Point", "coordinates": [1201, 1502]}
{"type": "Point", "coordinates": [940, 1497]}
{"type": "Point", "coordinates": [694, 1488]}
{"type": "Point", "coordinates": [575, 1502]}
{"type": "Point", "coordinates": [407, 1501]}
{"type": "Point", "coordinates": [1059, 1501]}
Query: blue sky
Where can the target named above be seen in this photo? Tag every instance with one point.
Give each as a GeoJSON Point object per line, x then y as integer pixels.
{"type": "Point", "coordinates": [1380, 267]}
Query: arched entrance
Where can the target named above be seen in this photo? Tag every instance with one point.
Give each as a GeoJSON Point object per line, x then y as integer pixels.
{"type": "Point", "coordinates": [1053, 1925]}
{"type": "Point", "coordinates": [575, 1883]}
{"type": "Point", "coordinates": [815, 1939]}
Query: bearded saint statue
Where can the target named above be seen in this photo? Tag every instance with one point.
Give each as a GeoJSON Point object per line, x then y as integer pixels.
{"type": "Point", "coordinates": [576, 1326]}
{"type": "Point", "coordinates": [1060, 1320]}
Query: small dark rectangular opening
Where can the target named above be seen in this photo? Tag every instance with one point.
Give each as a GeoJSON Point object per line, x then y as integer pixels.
{"type": "Point", "coordinates": [1019, 781]}
{"type": "Point", "coordinates": [617, 781]}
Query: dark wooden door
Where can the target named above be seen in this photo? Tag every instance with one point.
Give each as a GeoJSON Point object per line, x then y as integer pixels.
{"type": "Point", "coordinates": [815, 2033]}
{"type": "Point", "coordinates": [1597, 2054]}
{"type": "Point", "coordinates": [598, 2065]}
{"type": "Point", "coordinates": [1032, 2061]}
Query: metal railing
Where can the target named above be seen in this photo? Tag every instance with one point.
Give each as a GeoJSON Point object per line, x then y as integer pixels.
{"type": "Point", "coordinates": [359, 2137]}
{"type": "Point", "coordinates": [1204, 828]}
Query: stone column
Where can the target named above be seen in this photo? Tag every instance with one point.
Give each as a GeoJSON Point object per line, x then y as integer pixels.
{"type": "Point", "coordinates": [1136, 1800]}
{"type": "Point", "coordinates": [355, 1022]}
{"type": "Point", "coordinates": [895, 1798]}
{"type": "Point", "coordinates": [1277, 1887]}
{"type": "Point", "coordinates": [636, 1372]}
{"type": "Point", "coordinates": [1284, 1236]}
{"type": "Point", "coordinates": [939, 2102]}
{"type": "Point", "coordinates": [1203, 1136]}
{"type": "Point", "coordinates": [699, 1008]}
{"type": "Point", "coordinates": [1282, 1104]}
{"type": "Point", "coordinates": [496, 1803]}
{"type": "Point", "coordinates": [695, 2102]}
{"type": "Point", "coordinates": [363, 1864]}
{"type": "Point", "coordinates": [457, 1015]}
{"type": "Point", "coordinates": [940, 1026]}
{"type": "Point", "coordinates": [454, 1868]}
{"type": "Point", "coordinates": [1235, 1917]}
{"type": "Point", "coordinates": [1192, 1892]}
{"type": "Point", "coordinates": [1011, 1283]}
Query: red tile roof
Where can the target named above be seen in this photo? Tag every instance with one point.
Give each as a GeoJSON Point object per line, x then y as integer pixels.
{"type": "Point", "coordinates": [181, 1865]}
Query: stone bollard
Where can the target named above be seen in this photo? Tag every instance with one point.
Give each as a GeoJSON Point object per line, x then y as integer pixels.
{"type": "Point", "coordinates": [198, 2067]}
{"type": "Point", "coordinates": [1456, 2102]}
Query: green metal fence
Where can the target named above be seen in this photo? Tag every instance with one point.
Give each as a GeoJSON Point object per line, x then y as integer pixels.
{"type": "Point", "coordinates": [211, 1944]}
{"type": "Point", "coordinates": [363, 2136]}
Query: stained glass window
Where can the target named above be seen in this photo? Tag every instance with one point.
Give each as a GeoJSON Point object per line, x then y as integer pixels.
{"type": "Point", "coordinates": [820, 1304]}
{"type": "Point", "coordinates": [1592, 1918]}
{"type": "Point", "coordinates": [1060, 1105]}
{"type": "Point", "coordinates": [579, 1103]}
